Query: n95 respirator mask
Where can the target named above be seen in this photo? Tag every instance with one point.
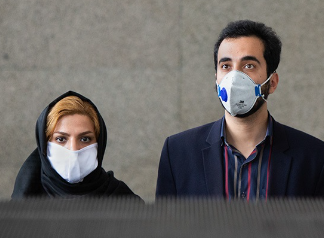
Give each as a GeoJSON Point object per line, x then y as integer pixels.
{"type": "Point", "coordinates": [238, 92]}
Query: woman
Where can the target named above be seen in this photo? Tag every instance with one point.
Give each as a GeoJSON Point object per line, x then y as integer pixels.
{"type": "Point", "coordinates": [71, 139]}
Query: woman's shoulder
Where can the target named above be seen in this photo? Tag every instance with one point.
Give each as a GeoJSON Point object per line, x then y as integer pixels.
{"type": "Point", "coordinates": [28, 180]}
{"type": "Point", "coordinates": [119, 188]}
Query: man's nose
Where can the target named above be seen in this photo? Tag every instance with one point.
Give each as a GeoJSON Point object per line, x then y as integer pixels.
{"type": "Point", "coordinates": [236, 67]}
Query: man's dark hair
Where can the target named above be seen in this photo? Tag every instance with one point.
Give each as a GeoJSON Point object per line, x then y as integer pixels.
{"type": "Point", "coordinates": [272, 43]}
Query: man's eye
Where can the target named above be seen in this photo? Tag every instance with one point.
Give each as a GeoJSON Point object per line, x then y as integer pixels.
{"type": "Point", "coordinates": [225, 66]}
{"type": "Point", "coordinates": [249, 66]}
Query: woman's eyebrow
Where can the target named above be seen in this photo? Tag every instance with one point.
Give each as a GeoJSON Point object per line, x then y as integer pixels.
{"type": "Point", "coordinates": [61, 132]}
{"type": "Point", "coordinates": [67, 134]}
{"type": "Point", "coordinates": [86, 132]}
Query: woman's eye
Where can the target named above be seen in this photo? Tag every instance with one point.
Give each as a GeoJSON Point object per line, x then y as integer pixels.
{"type": "Point", "coordinates": [60, 139]}
{"type": "Point", "coordinates": [85, 139]}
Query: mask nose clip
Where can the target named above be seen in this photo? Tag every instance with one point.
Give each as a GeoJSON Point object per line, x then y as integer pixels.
{"type": "Point", "coordinates": [222, 94]}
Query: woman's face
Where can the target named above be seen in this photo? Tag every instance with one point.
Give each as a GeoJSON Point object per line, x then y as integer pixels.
{"type": "Point", "coordinates": [74, 132]}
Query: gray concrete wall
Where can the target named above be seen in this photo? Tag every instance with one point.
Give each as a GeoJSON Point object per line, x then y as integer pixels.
{"type": "Point", "coordinates": [148, 65]}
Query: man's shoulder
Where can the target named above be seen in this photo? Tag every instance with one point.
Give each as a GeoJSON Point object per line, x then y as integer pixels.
{"type": "Point", "coordinates": [198, 132]}
{"type": "Point", "coordinates": [294, 134]}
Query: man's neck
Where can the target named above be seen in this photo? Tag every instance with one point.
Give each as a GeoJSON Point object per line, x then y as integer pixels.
{"type": "Point", "coordinates": [246, 133]}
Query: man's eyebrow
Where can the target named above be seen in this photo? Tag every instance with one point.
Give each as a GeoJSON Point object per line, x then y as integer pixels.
{"type": "Point", "coordinates": [225, 59]}
{"type": "Point", "coordinates": [249, 57]}
{"type": "Point", "coordinates": [245, 58]}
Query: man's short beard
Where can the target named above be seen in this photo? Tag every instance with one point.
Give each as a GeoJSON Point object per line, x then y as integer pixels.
{"type": "Point", "coordinates": [257, 105]}
{"type": "Point", "coordinates": [259, 102]}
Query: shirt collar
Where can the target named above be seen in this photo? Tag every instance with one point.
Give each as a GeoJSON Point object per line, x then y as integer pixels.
{"type": "Point", "coordinates": [268, 133]}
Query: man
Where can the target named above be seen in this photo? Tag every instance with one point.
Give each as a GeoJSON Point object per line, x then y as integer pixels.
{"type": "Point", "coordinates": [246, 154]}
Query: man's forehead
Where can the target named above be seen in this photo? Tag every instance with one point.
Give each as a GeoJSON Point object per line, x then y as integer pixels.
{"type": "Point", "coordinates": [241, 48]}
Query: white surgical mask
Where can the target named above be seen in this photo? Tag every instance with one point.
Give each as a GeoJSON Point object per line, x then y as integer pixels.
{"type": "Point", "coordinates": [72, 166]}
{"type": "Point", "coordinates": [238, 92]}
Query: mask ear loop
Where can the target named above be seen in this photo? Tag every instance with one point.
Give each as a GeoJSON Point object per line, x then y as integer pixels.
{"type": "Point", "coordinates": [258, 88]}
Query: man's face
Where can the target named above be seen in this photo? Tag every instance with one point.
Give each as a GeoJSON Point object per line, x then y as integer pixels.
{"type": "Point", "coordinates": [243, 54]}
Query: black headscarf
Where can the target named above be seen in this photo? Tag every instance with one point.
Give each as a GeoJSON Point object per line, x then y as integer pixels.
{"type": "Point", "coordinates": [37, 177]}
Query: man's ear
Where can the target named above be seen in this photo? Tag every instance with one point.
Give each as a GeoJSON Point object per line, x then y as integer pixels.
{"type": "Point", "coordinates": [274, 80]}
{"type": "Point", "coordinates": [216, 76]}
